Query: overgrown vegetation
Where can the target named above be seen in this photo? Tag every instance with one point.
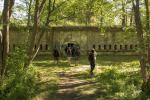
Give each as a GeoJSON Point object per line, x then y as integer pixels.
{"type": "Point", "coordinates": [120, 84]}
{"type": "Point", "coordinates": [19, 83]}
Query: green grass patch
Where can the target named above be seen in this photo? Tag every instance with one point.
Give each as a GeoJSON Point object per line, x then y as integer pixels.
{"type": "Point", "coordinates": [116, 77]}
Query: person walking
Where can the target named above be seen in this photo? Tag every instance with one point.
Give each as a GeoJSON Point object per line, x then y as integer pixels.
{"type": "Point", "coordinates": [92, 61]}
{"type": "Point", "coordinates": [69, 54]}
{"type": "Point", "coordinates": [56, 55]}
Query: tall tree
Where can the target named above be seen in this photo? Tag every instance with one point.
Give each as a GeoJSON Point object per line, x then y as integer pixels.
{"type": "Point", "coordinates": [7, 11]}
{"type": "Point", "coordinates": [29, 5]}
{"type": "Point", "coordinates": [147, 21]}
{"type": "Point", "coordinates": [37, 13]}
{"type": "Point", "coordinates": [0, 50]}
{"type": "Point", "coordinates": [31, 53]}
{"type": "Point", "coordinates": [131, 16]}
{"type": "Point", "coordinates": [147, 15]}
{"type": "Point", "coordinates": [139, 29]}
{"type": "Point", "coordinates": [123, 14]}
{"type": "Point", "coordinates": [51, 8]}
{"type": "Point", "coordinates": [5, 35]}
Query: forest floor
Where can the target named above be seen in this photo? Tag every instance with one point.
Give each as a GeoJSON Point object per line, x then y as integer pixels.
{"type": "Point", "coordinates": [116, 78]}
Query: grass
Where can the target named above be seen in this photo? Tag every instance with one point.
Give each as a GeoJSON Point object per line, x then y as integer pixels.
{"type": "Point", "coordinates": [116, 78]}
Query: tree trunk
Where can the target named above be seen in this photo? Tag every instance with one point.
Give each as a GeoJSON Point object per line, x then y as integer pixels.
{"type": "Point", "coordinates": [12, 2]}
{"type": "Point", "coordinates": [5, 35]}
{"type": "Point", "coordinates": [131, 17]}
{"type": "Point", "coordinates": [131, 20]}
{"type": "Point", "coordinates": [148, 54]}
{"type": "Point", "coordinates": [147, 27]}
{"type": "Point", "coordinates": [147, 15]}
{"type": "Point", "coordinates": [46, 25]}
{"type": "Point", "coordinates": [30, 50]}
{"type": "Point", "coordinates": [123, 15]}
{"type": "Point", "coordinates": [33, 54]}
{"type": "Point", "coordinates": [33, 35]}
{"type": "Point", "coordinates": [0, 51]}
{"type": "Point", "coordinates": [29, 14]}
{"type": "Point", "coordinates": [101, 19]}
{"type": "Point", "coordinates": [139, 30]}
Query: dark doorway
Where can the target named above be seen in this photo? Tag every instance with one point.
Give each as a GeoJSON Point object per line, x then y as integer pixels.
{"type": "Point", "coordinates": [71, 44]}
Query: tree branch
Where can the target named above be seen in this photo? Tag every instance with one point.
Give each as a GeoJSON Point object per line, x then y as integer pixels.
{"type": "Point", "coordinates": [11, 6]}
{"type": "Point", "coordinates": [41, 6]}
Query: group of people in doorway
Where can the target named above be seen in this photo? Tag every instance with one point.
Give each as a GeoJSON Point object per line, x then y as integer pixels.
{"type": "Point", "coordinates": [71, 51]}
{"type": "Point", "coordinates": [73, 54]}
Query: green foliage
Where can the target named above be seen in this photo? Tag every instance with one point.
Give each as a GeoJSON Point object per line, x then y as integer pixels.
{"type": "Point", "coordinates": [146, 87]}
{"type": "Point", "coordinates": [116, 77]}
{"type": "Point", "coordinates": [16, 61]}
{"type": "Point", "coordinates": [78, 12]}
{"type": "Point", "coordinates": [119, 83]}
{"type": "Point", "coordinates": [21, 86]}
{"type": "Point", "coordinates": [19, 83]}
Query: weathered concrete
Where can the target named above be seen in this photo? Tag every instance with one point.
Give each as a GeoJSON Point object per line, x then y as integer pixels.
{"type": "Point", "coordinates": [86, 37]}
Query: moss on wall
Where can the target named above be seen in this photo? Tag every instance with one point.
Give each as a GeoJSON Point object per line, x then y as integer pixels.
{"type": "Point", "coordinates": [85, 38]}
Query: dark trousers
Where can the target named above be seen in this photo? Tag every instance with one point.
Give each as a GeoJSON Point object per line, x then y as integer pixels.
{"type": "Point", "coordinates": [92, 65]}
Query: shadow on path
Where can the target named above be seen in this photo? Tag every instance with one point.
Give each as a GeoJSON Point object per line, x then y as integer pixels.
{"type": "Point", "coordinates": [76, 86]}
{"type": "Point", "coordinates": [74, 83]}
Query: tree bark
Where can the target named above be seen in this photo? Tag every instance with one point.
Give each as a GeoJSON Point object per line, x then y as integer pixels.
{"type": "Point", "coordinates": [12, 2]}
{"type": "Point", "coordinates": [147, 21]}
{"type": "Point", "coordinates": [131, 20]}
{"type": "Point", "coordinates": [139, 29]}
{"type": "Point", "coordinates": [5, 35]}
{"type": "Point", "coordinates": [29, 14]}
{"type": "Point", "coordinates": [0, 51]}
{"type": "Point", "coordinates": [123, 15]}
{"type": "Point", "coordinates": [101, 19]}
{"type": "Point", "coordinates": [147, 15]}
{"type": "Point", "coordinates": [131, 17]}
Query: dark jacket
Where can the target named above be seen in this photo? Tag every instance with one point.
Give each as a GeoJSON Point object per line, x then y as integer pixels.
{"type": "Point", "coordinates": [91, 58]}
{"type": "Point", "coordinates": [56, 53]}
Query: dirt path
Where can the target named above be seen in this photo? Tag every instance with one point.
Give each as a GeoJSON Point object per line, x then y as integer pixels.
{"type": "Point", "coordinates": [73, 85]}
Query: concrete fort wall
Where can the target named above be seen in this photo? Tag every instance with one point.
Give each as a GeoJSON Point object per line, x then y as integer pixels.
{"type": "Point", "coordinates": [102, 41]}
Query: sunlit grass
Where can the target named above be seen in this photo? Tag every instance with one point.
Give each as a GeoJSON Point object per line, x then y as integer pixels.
{"type": "Point", "coordinates": [116, 77]}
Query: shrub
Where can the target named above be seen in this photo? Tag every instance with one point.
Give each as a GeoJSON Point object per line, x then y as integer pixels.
{"type": "Point", "coordinates": [19, 83]}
